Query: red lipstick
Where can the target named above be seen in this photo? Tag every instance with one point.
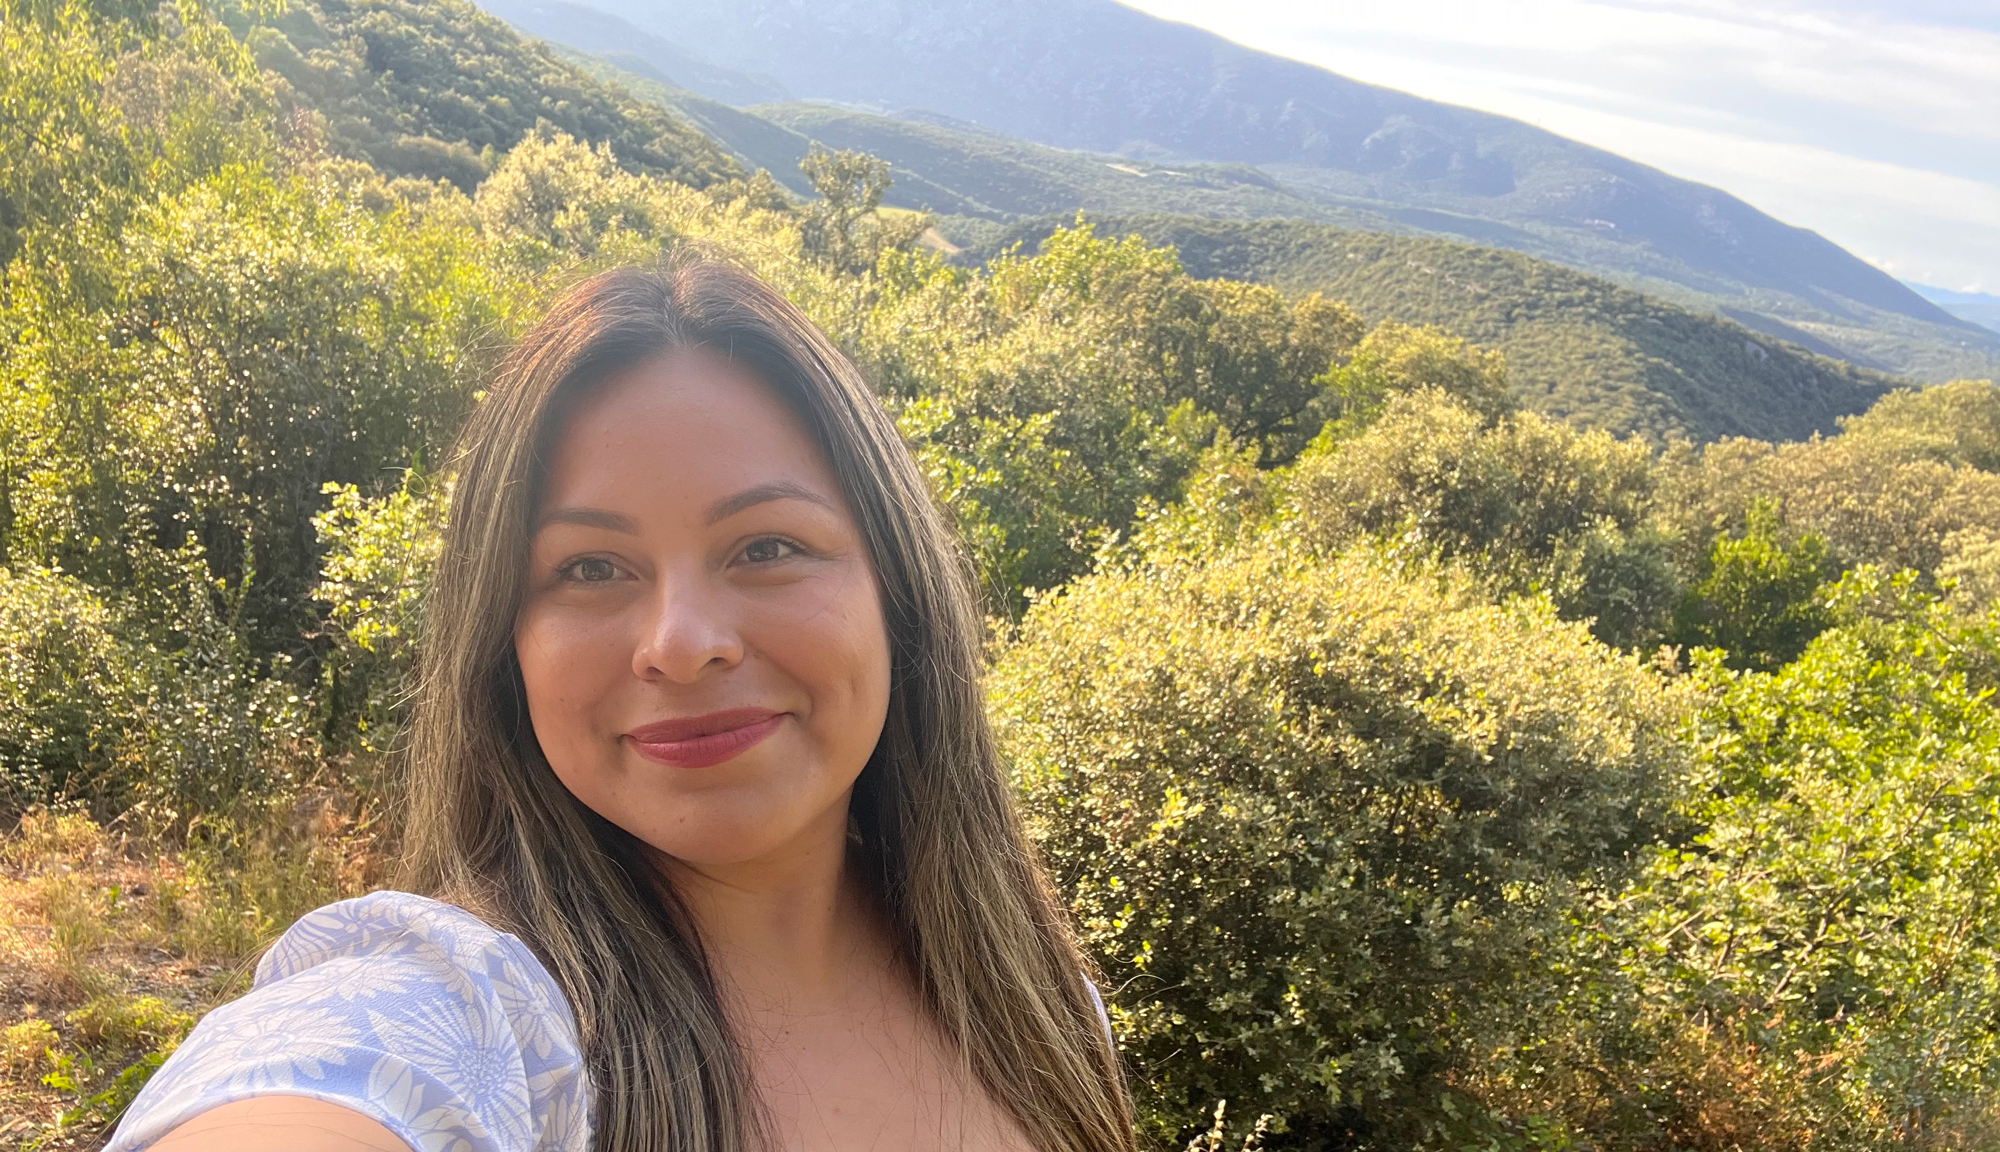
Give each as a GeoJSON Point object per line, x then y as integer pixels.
{"type": "Point", "coordinates": [701, 741]}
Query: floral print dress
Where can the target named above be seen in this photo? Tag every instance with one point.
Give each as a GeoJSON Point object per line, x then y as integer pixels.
{"type": "Point", "coordinates": [412, 1012]}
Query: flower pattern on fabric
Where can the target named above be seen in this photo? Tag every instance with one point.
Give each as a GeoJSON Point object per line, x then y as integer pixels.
{"type": "Point", "coordinates": [412, 1012]}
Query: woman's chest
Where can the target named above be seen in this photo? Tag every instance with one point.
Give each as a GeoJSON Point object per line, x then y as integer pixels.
{"type": "Point", "coordinates": [881, 1085]}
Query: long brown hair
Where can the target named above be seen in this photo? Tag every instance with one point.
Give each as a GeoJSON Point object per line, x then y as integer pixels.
{"type": "Point", "coordinates": [490, 827]}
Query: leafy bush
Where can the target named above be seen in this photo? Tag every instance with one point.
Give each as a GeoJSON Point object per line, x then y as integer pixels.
{"type": "Point", "coordinates": [1529, 502]}
{"type": "Point", "coordinates": [1972, 568]}
{"type": "Point", "coordinates": [1056, 396]}
{"type": "Point", "coordinates": [568, 196]}
{"type": "Point", "coordinates": [211, 730]}
{"type": "Point", "coordinates": [378, 565]}
{"type": "Point", "coordinates": [1884, 492]}
{"type": "Point", "coordinates": [1397, 359]}
{"type": "Point", "coordinates": [1758, 595]}
{"type": "Point", "coordinates": [65, 684]}
{"type": "Point", "coordinates": [1956, 423]}
{"type": "Point", "coordinates": [1831, 923]}
{"type": "Point", "coordinates": [1316, 819]}
{"type": "Point", "coordinates": [90, 716]}
{"type": "Point", "coordinates": [257, 338]}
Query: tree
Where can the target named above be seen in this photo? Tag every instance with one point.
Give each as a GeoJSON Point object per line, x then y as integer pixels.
{"type": "Point", "coordinates": [1397, 359]}
{"type": "Point", "coordinates": [258, 338]}
{"type": "Point", "coordinates": [1529, 503]}
{"type": "Point", "coordinates": [1829, 928]}
{"type": "Point", "coordinates": [846, 229]}
{"type": "Point", "coordinates": [1059, 396]}
{"type": "Point", "coordinates": [1891, 490]}
{"type": "Point", "coordinates": [1759, 596]}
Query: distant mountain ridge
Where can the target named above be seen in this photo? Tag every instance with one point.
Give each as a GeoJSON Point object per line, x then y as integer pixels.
{"type": "Point", "coordinates": [1577, 346]}
{"type": "Point", "coordinates": [437, 88]}
{"type": "Point", "coordinates": [1979, 307]}
{"type": "Point", "coordinates": [1097, 76]}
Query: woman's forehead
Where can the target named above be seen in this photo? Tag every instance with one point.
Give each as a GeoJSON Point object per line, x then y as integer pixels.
{"type": "Point", "coordinates": [687, 425]}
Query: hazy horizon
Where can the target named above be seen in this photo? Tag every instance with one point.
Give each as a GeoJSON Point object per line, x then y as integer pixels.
{"type": "Point", "coordinates": [1875, 124]}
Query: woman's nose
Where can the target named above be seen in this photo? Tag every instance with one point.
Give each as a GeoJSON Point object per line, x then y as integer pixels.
{"type": "Point", "coordinates": [688, 632]}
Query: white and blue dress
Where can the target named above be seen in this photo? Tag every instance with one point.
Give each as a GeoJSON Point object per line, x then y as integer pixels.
{"type": "Point", "coordinates": [412, 1012]}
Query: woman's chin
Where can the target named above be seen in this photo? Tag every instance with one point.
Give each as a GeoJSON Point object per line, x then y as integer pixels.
{"type": "Point", "coordinates": [709, 836]}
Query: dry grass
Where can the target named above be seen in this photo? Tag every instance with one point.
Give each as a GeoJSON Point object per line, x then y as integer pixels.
{"type": "Point", "coordinates": [111, 948]}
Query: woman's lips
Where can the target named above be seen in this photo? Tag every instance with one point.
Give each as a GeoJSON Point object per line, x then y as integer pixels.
{"type": "Point", "coordinates": [700, 741]}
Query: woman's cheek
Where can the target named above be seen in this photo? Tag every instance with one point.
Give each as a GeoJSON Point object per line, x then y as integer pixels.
{"type": "Point", "coordinates": [831, 641]}
{"type": "Point", "coordinates": [568, 664]}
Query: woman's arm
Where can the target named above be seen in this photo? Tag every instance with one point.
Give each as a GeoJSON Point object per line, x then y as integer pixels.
{"type": "Point", "coordinates": [280, 1124]}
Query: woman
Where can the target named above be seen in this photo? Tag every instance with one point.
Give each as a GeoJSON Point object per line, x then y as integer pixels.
{"type": "Point", "coordinates": [716, 849]}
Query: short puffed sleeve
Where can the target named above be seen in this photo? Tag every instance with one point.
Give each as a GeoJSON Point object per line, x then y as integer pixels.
{"type": "Point", "coordinates": [407, 1010]}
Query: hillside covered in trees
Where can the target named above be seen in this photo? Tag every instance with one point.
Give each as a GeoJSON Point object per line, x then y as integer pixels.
{"type": "Point", "coordinates": [1655, 366]}
{"type": "Point", "coordinates": [1424, 770]}
{"type": "Point", "coordinates": [1577, 347]}
{"type": "Point", "coordinates": [978, 100]}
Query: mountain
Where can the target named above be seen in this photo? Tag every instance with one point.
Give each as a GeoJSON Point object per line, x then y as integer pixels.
{"type": "Point", "coordinates": [1577, 346]}
{"type": "Point", "coordinates": [968, 175]}
{"type": "Point", "coordinates": [1094, 76]}
{"type": "Point", "coordinates": [1978, 307]}
{"type": "Point", "coordinates": [437, 87]}
{"type": "Point", "coordinates": [434, 88]}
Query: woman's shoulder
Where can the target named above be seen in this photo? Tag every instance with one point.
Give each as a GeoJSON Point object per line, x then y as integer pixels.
{"type": "Point", "coordinates": [412, 1011]}
{"type": "Point", "coordinates": [406, 926]}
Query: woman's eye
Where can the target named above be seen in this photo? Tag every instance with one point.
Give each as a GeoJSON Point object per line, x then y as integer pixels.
{"type": "Point", "coordinates": [590, 570]}
{"type": "Point", "coordinates": [765, 549]}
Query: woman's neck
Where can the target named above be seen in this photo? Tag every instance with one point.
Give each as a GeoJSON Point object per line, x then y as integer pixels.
{"type": "Point", "coordinates": [783, 932]}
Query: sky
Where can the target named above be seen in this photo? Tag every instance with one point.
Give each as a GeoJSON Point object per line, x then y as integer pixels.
{"type": "Point", "coordinates": [1874, 123]}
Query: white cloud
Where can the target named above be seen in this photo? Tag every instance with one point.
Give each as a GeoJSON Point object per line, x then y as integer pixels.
{"type": "Point", "coordinates": [1930, 227]}
{"type": "Point", "coordinates": [1879, 126]}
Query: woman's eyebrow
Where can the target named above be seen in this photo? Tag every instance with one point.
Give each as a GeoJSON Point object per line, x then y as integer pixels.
{"type": "Point", "coordinates": [592, 518]}
{"type": "Point", "coordinates": [729, 506]}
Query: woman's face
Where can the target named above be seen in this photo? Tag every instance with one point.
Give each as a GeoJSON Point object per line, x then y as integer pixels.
{"type": "Point", "coordinates": [701, 640]}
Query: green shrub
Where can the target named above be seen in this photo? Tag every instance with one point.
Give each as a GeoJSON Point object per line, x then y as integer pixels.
{"type": "Point", "coordinates": [568, 196]}
{"type": "Point", "coordinates": [1758, 596]}
{"type": "Point", "coordinates": [1832, 924]}
{"type": "Point", "coordinates": [65, 678]}
{"type": "Point", "coordinates": [212, 728]}
{"type": "Point", "coordinates": [1529, 503]}
{"type": "Point", "coordinates": [1972, 569]}
{"type": "Point", "coordinates": [379, 556]}
{"type": "Point", "coordinates": [1060, 395]}
{"type": "Point", "coordinates": [1890, 490]}
{"type": "Point", "coordinates": [1317, 819]}
{"type": "Point", "coordinates": [245, 342]}
{"type": "Point", "coordinates": [1398, 359]}
{"type": "Point", "coordinates": [1956, 423]}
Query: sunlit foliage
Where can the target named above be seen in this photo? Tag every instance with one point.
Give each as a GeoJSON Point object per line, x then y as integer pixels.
{"type": "Point", "coordinates": [1315, 814]}
{"type": "Point", "coordinates": [1425, 770]}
